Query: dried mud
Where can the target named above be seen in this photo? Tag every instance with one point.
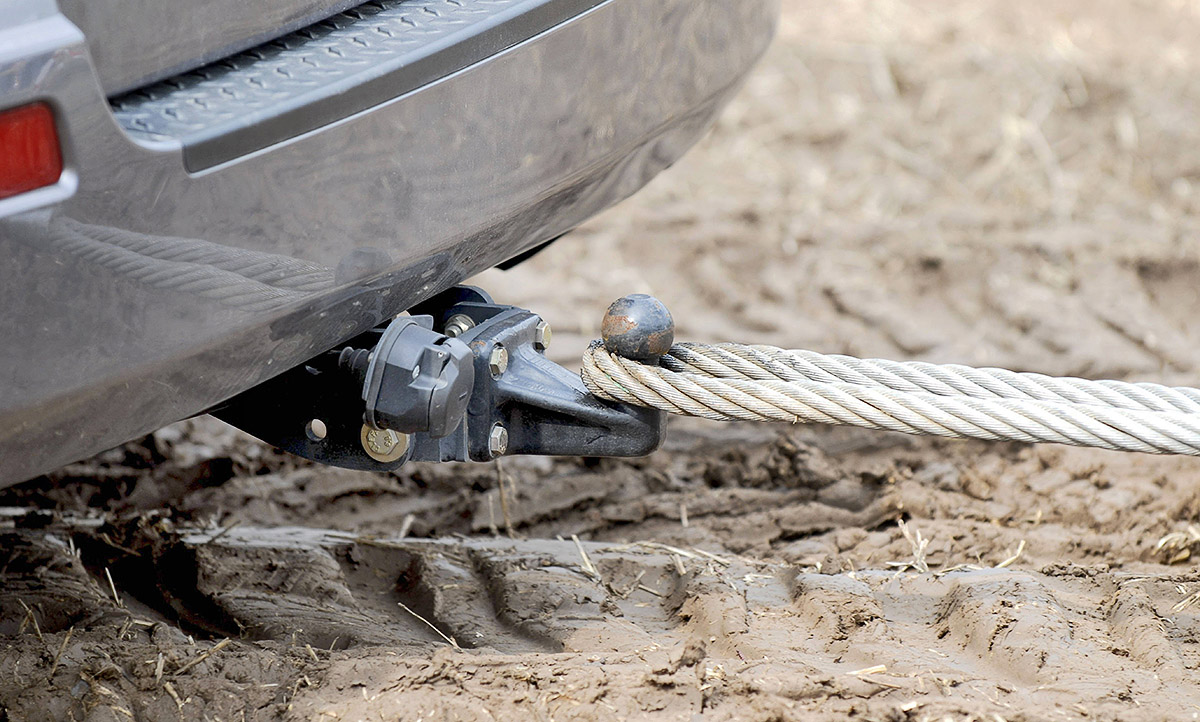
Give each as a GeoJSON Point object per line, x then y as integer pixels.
{"type": "Point", "coordinates": [1006, 184]}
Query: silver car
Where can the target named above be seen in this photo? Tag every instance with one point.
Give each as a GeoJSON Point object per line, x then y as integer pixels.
{"type": "Point", "coordinates": [196, 197]}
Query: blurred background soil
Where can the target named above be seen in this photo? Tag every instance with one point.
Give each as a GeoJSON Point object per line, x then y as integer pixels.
{"type": "Point", "coordinates": [1008, 184]}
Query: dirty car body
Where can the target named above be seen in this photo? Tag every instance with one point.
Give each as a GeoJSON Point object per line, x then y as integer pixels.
{"type": "Point", "coordinates": [246, 185]}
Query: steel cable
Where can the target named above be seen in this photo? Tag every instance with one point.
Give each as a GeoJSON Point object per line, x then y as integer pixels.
{"type": "Point", "coordinates": [764, 383]}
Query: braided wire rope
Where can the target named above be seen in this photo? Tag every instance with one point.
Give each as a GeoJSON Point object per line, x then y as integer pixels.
{"type": "Point", "coordinates": [763, 383]}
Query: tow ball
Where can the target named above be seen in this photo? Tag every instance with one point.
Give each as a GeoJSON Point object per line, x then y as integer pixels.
{"type": "Point", "coordinates": [460, 378]}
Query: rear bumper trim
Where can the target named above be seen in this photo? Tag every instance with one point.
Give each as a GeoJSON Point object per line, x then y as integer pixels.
{"type": "Point", "coordinates": [329, 71]}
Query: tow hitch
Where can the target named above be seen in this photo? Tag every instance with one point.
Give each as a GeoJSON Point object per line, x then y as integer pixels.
{"type": "Point", "coordinates": [461, 378]}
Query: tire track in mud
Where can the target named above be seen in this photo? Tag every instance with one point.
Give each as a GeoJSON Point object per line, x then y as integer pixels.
{"type": "Point", "coordinates": [694, 630]}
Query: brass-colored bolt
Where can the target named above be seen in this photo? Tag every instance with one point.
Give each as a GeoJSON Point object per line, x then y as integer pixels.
{"type": "Point", "coordinates": [383, 445]}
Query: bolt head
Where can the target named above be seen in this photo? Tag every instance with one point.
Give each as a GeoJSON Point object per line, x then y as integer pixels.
{"type": "Point", "coordinates": [498, 361]}
{"type": "Point", "coordinates": [638, 327]}
{"type": "Point", "coordinates": [458, 324]}
{"type": "Point", "coordinates": [316, 430]}
{"type": "Point", "coordinates": [498, 440]}
{"type": "Point", "coordinates": [383, 445]}
{"type": "Point", "coordinates": [541, 336]}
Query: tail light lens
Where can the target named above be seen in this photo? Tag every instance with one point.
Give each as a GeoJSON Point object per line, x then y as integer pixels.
{"type": "Point", "coordinates": [30, 156]}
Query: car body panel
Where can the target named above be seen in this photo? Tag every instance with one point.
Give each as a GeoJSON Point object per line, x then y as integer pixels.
{"type": "Point", "coordinates": [327, 71]}
{"type": "Point", "coordinates": [148, 40]}
{"type": "Point", "coordinates": [147, 293]}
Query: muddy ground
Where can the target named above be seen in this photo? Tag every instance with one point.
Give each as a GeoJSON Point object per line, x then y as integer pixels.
{"type": "Point", "coordinates": [1004, 183]}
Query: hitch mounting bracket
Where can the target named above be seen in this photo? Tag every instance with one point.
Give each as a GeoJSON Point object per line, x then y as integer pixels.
{"type": "Point", "coordinates": [461, 378]}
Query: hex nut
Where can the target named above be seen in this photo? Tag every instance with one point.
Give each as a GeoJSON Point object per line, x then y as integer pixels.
{"type": "Point", "coordinates": [458, 324]}
{"type": "Point", "coordinates": [498, 440]}
{"type": "Point", "coordinates": [498, 361]}
{"type": "Point", "coordinates": [541, 336]}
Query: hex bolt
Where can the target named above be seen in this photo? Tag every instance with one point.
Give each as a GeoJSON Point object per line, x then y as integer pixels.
{"type": "Point", "coordinates": [541, 336]}
{"type": "Point", "coordinates": [498, 440]}
{"type": "Point", "coordinates": [498, 361]}
{"type": "Point", "coordinates": [383, 445]}
{"type": "Point", "coordinates": [458, 324]}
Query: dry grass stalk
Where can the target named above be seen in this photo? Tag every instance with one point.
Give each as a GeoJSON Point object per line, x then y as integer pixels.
{"type": "Point", "coordinates": [1016, 555]}
{"type": "Point", "coordinates": [220, 533]}
{"type": "Point", "coordinates": [1178, 546]}
{"type": "Point", "coordinates": [406, 525]}
{"type": "Point", "coordinates": [876, 669]}
{"type": "Point", "coordinates": [693, 554]}
{"type": "Point", "coordinates": [637, 582]}
{"type": "Point", "coordinates": [170, 688]}
{"type": "Point", "coordinates": [429, 624]}
{"type": "Point", "coordinates": [1188, 601]}
{"type": "Point", "coordinates": [61, 648]}
{"type": "Point", "coordinates": [504, 511]}
{"type": "Point", "coordinates": [495, 530]}
{"type": "Point", "coordinates": [203, 656]}
{"type": "Point", "coordinates": [30, 617]}
{"type": "Point", "coordinates": [113, 588]}
{"type": "Point", "coordinates": [920, 547]}
{"type": "Point", "coordinates": [586, 563]}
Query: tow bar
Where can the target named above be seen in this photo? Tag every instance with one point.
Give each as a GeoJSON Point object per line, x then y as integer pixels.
{"type": "Point", "coordinates": [467, 380]}
{"type": "Point", "coordinates": [460, 378]}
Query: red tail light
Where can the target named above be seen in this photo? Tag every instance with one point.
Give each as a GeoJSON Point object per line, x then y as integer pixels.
{"type": "Point", "coordinates": [30, 157]}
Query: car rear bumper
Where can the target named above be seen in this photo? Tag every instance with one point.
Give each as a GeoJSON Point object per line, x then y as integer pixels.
{"type": "Point", "coordinates": [150, 284]}
{"type": "Point", "coordinates": [148, 40]}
